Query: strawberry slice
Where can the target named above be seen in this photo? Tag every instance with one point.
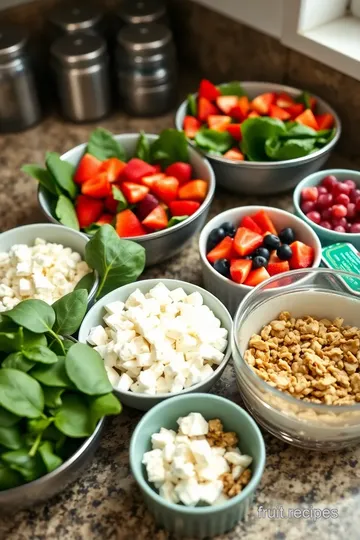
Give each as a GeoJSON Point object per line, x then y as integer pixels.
{"type": "Point", "coordinates": [257, 276]}
{"type": "Point", "coordinates": [180, 170]}
{"type": "Point", "coordinates": [88, 167]}
{"type": "Point", "coordinates": [191, 126]}
{"type": "Point", "coordinates": [302, 255]}
{"type": "Point", "coordinates": [262, 219]}
{"type": "Point", "coordinates": [134, 193]}
{"type": "Point", "coordinates": [157, 219]}
{"type": "Point", "coordinates": [136, 169]}
{"type": "Point", "coordinates": [253, 114]}
{"type": "Point", "coordinates": [283, 100]}
{"type": "Point", "coordinates": [277, 112]}
{"type": "Point", "coordinates": [208, 90]}
{"type": "Point", "coordinates": [325, 121]}
{"type": "Point", "coordinates": [183, 208]}
{"type": "Point", "coordinates": [113, 167]}
{"type": "Point", "coordinates": [278, 267]}
{"type": "Point", "coordinates": [166, 189]}
{"type": "Point", "coordinates": [149, 181]}
{"type": "Point", "coordinates": [219, 122]}
{"type": "Point", "coordinates": [261, 104]}
{"type": "Point", "coordinates": [221, 251]}
{"type": "Point", "coordinates": [195, 190]}
{"type": "Point", "coordinates": [98, 187]}
{"type": "Point", "coordinates": [226, 103]}
{"type": "Point", "coordinates": [249, 223]}
{"type": "Point", "coordinates": [128, 225]}
{"type": "Point", "coordinates": [235, 131]}
{"type": "Point", "coordinates": [105, 218]}
{"type": "Point", "coordinates": [246, 241]}
{"type": "Point", "coordinates": [295, 110]}
{"type": "Point", "coordinates": [234, 154]}
{"type": "Point", "coordinates": [88, 210]}
{"type": "Point", "coordinates": [307, 118]}
{"type": "Point", "coordinates": [240, 269]}
{"type": "Point", "coordinates": [205, 109]}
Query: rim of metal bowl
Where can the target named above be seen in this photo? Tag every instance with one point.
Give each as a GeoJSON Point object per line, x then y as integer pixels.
{"type": "Point", "coordinates": [319, 407]}
{"type": "Point", "coordinates": [158, 234]}
{"type": "Point", "coordinates": [180, 114]}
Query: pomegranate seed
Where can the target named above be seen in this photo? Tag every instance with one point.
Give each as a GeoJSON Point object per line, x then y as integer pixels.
{"type": "Point", "coordinates": [308, 206]}
{"type": "Point", "coordinates": [309, 194]}
{"type": "Point", "coordinates": [341, 188]}
{"type": "Point", "coordinates": [350, 183]}
{"type": "Point", "coordinates": [355, 228]}
{"type": "Point", "coordinates": [322, 190]}
{"type": "Point", "coordinates": [354, 195]}
{"type": "Point", "coordinates": [357, 205]}
{"type": "Point", "coordinates": [329, 181]}
{"type": "Point", "coordinates": [340, 229]}
{"type": "Point", "coordinates": [325, 224]}
{"type": "Point", "coordinates": [338, 211]}
{"type": "Point", "coordinates": [326, 214]}
{"type": "Point", "coordinates": [342, 222]}
{"type": "Point", "coordinates": [351, 211]}
{"type": "Point", "coordinates": [314, 216]}
{"type": "Point", "coordinates": [342, 199]}
{"type": "Point", "coordinates": [324, 201]}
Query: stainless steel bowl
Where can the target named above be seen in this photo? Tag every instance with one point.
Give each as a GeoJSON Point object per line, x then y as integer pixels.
{"type": "Point", "coordinates": [265, 178]}
{"type": "Point", "coordinates": [49, 485]}
{"type": "Point", "coordinates": [159, 245]}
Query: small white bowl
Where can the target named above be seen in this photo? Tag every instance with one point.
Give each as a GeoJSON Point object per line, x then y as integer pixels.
{"type": "Point", "coordinates": [94, 317]}
{"type": "Point", "coordinates": [230, 293]}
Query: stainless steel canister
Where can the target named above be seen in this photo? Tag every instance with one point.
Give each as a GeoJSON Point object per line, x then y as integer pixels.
{"type": "Point", "coordinates": [146, 69]}
{"type": "Point", "coordinates": [75, 17]}
{"type": "Point", "coordinates": [142, 12]}
{"type": "Point", "coordinates": [19, 103]}
{"type": "Point", "coordinates": [81, 66]}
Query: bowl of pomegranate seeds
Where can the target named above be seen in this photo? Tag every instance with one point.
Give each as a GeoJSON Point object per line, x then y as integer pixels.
{"type": "Point", "coordinates": [329, 201]}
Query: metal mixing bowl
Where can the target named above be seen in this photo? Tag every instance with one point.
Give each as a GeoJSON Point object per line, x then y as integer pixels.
{"type": "Point", "coordinates": [265, 178]}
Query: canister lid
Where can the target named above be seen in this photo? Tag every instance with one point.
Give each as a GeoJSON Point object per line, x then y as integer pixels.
{"type": "Point", "coordinates": [141, 11]}
{"type": "Point", "coordinates": [75, 17]}
{"type": "Point", "coordinates": [144, 38]}
{"type": "Point", "coordinates": [78, 48]}
{"type": "Point", "coordinates": [12, 41]}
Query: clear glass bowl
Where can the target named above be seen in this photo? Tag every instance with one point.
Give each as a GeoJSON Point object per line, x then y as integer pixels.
{"type": "Point", "coordinates": [322, 293]}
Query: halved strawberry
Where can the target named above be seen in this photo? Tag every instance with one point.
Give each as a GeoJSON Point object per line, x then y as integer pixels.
{"type": "Point", "coordinates": [325, 121]}
{"type": "Point", "coordinates": [208, 90]}
{"type": "Point", "coordinates": [104, 218]}
{"type": "Point", "coordinates": [98, 187]}
{"type": "Point", "coordinates": [195, 190]}
{"type": "Point", "coordinates": [149, 181]}
{"type": "Point", "coordinates": [278, 267]}
{"type": "Point", "coordinates": [157, 219]}
{"type": "Point", "coordinates": [113, 167]}
{"type": "Point", "coordinates": [128, 225]}
{"type": "Point", "coordinates": [263, 220]}
{"type": "Point", "coordinates": [261, 104]}
{"type": "Point", "coordinates": [284, 100]}
{"type": "Point", "coordinates": [221, 251]}
{"type": "Point", "coordinates": [226, 103]}
{"type": "Point", "coordinates": [295, 110]}
{"type": "Point", "coordinates": [249, 223]}
{"type": "Point", "coordinates": [219, 122]}
{"type": "Point", "coordinates": [88, 210]}
{"type": "Point", "coordinates": [191, 126]}
{"type": "Point", "coordinates": [136, 169]}
{"type": "Point", "coordinates": [205, 109]}
{"type": "Point", "coordinates": [277, 112]}
{"type": "Point", "coordinates": [234, 154]}
{"type": "Point", "coordinates": [302, 255]}
{"type": "Point", "coordinates": [183, 208]}
{"type": "Point", "coordinates": [246, 241]}
{"type": "Point", "coordinates": [166, 189]}
{"type": "Point", "coordinates": [257, 276]}
{"type": "Point", "coordinates": [253, 114]}
{"type": "Point", "coordinates": [235, 131]}
{"type": "Point", "coordinates": [180, 170]}
{"type": "Point", "coordinates": [307, 118]}
{"type": "Point", "coordinates": [240, 269]}
{"type": "Point", "coordinates": [241, 110]}
{"type": "Point", "coordinates": [88, 167]}
{"type": "Point", "coordinates": [134, 192]}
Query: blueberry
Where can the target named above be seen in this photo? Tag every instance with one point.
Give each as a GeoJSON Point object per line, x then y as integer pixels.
{"type": "Point", "coordinates": [271, 241]}
{"type": "Point", "coordinates": [259, 261]}
{"type": "Point", "coordinates": [261, 252]}
{"type": "Point", "coordinates": [287, 236]}
{"type": "Point", "coordinates": [223, 267]}
{"type": "Point", "coordinates": [229, 229]}
{"type": "Point", "coordinates": [214, 238]}
{"type": "Point", "coordinates": [284, 252]}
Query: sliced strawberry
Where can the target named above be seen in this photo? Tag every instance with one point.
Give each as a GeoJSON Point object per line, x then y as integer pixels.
{"type": "Point", "coordinates": [244, 105]}
{"type": "Point", "coordinates": [157, 168]}
{"type": "Point", "coordinates": [307, 118]}
{"type": "Point", "coordinates": [302, 255]}
{"type": "Point", "coordinates": [88, 167]}
{"type": "Point", "coordinates": [128, 225]}
{"type": "Point", "coordinates": [88, 210]}
{"type": "Point", "coordinates": [273, 257]}
{"type": "Point", "coordinates": [98, 187]}
{"type": "Point", "coordinates": [157, 219]}
{"type": "Point", "coordinates": [205, 109]}
{"type": "Point", "coordinates": [261, 104]}
{"type": "Point", "coordinates": [278, 267]}
{"type": "Point", "coordinates": [191, 126]}
{"type": "Point", "coordinates": [136, 169]}
{"type": "Point", "coordinates": [263, 220]}
{"type": "Point", "coordinates": [166, 189]}
{"type": "Point", "coordinates": [283, 100]}
{"type": "Point", "coordinates": [149, 181]}
{"type": "Point", "coordinates": [295, 110]}
{"type": "Point", "coordinates": [113, 167]}
{"type": "Point", "coordinates": [325, 121]}
{"type": "Point", "coordinates": [226, 103]}
{"type": "Point", "coordinates": [240, 269]}
{"type": "Point", "coordinates": [313, 103]}
{"type": "Point", "coordinates": [253, 114]}
{"type": "Point", "coordinates": [208, 90]}
{"type": "Point", "coordinates": [235, 131]}
{"type": "Point", "coordinates": [105, 218]}
{"type": "Point", "coordinates": [134, 192]}
{"type": "Point", "coordinates": [219, 122]}
{"type": "Point", "coordinates": [195, 190]}
{"type": "Point", "coordinates": [234, 154]}
{"type": "Point", "coordinates": [221, 251]}
{"type": "Point", "coordinates": [246, 241]}
{"type": "Point", "coordinates": [183, 208]}
{"type": "Point", "coordinates": [249, 223]}
{"type": "Point", "coordinates": [180, 170]}
{"type": "Point", "coordinates": [257, 276]}
{"type": "Point", "coordinates": [277, 112]}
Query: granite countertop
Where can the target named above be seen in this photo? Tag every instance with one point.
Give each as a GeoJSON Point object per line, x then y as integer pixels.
{"type": "Point", "coordinates": [105, 502]}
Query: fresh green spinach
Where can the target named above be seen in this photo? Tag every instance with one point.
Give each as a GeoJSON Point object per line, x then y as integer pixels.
{"type": "Point", "coordinates": [143, 148]}
{"type": "Point", "coordinates": [255, 132]}
{"type": "Point", "coordinates": [175, 220]}
{"type": "Point", "coordinates": [43, 176]}
{"type": "Point", "coordinates": [169, 147]}
{"type": "Point", "coordinates": [73, 417]}
{"type": "Point", "coordinates": [70, 311]}
{"type": "Point", "coordinates": [65, 212]}
{"type": "Point", "coordinates": [85, 368]}
{"type": "Point", "coordinates": [233, 88]}
{"type": "Point", "coordinates": [119, 196]}
{"type": "Point", "coordinates": [103, 145]}
{"type": "Point", "coordinates": [210, 139]}
{"type": "Point", "coordinates": [20, 393]}
{"type": "Point", "coordinates": [63, 172]}
{"type": "Point", "coordinates": [191, 107]}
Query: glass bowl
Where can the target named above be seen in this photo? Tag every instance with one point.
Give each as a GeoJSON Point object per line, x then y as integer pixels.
{"type": "Point", "coordinates": [322, 293]}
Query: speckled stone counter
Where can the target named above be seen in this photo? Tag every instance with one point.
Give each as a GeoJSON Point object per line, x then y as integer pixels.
{"type": "Point", "coordinates": [105, 504]}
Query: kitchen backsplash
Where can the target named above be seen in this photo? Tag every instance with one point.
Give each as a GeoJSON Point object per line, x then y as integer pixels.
{"type": "Point", "coordinates": [222, 49]}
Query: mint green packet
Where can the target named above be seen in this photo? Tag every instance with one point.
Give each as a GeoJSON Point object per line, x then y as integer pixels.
{"type": "Point", "coordinates": [343, 256]}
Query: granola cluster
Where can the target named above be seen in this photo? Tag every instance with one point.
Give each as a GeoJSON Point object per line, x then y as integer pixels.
{"type": "Point", "coordinates": [310, 359]}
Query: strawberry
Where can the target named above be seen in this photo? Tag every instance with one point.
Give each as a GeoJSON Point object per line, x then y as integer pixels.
{"type": "Point", "coordinates": [134, 193]}
{"type": "Point", "coordinates": [249, 223]}
{"type": "Point", "coordinates": [295, 110]}
{"type": "Point", "coordinates": [208, 90]}
{"type": "Point", "coordinates": [278, 267]}
{"type": "Point", "coordinates": [325, 121]}
{"type": "Point", "coordinates": [111, 204]}
{"type": "Point", "coordinates": [219, 122]}
{"type": "Point", "coordinates": [136, 169]}
{"type": "Point", "coordinates": [235, 131]}
{"type": "Point", "coordinates": [257, 276]}
{"type": "Point", "coordinates": [183, 208]}
{"type": "Point", "coordinates": [166, 189]}
{"type": "Point", "coordinates": [302, 255]}
{"type": "Point", "coordinates": [128, 225]}
{"type": "Point", "coordinates": [88, 210]}
{"type": "Point", "coordinates": [240, 269]}
{"type": "Point", "coordinates": [98, 187]}
{"type": "Point", "coordinates": [278, 112]}
{"type": "Point", "coordinates": [234, 154]}
{"type": "Point", "coordinates": [157, 219]}
{"type": "Point", "coordinates": [149, 181]}
{"type": "Point", "coordinates": [88, 167]}
{"type": "Point", "coordinates": [205, 109]}
{"type": "Point", "coordinates": [191, 126]}
{"type": "Point", "coordinates": [283, 100]}
{"type": "Point", "coordinates": [246, 241]}
{"type": "Point", "coordinates": [221, 251]}
{"type": "Point", "coordinates": [261, 104]}
{"type": "Point", "coordinates": [307, 118]}
{"type": "Point", "coordinates": [226, 103]}
{"type": "Point", "coordinates": [253, 114]}
{"type": "Point", "coordinates": [104, 218]}
{"type": "Point", "coordinates": [195, 190]}
{"type": "Point", "coordinates": [113, 167]}
{"type": "Point", "coordinates": [180, 170]}
{"type": "Point", "coordinates": [263, 220]}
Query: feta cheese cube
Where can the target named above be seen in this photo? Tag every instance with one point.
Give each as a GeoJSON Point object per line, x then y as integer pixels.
{"type": "Point", "coordinates": [41, 283]}
{"type": "Point", "coordinates": [147, 378]}
{"type": "Point", "coordinates": [160, 440]}
{"type": "Point", "coordinates": [97, 336]}
{"type": "Point", "coordinates": [181, 468]}
{"type": "Point", "coordinates": [237, 459]}
{"type": "Point", "coordinates": [162, 386]}
{"type": "Point", "coordinates": [135, 299]}
{"type": "Point", "coordinates": [5, 291]}
{"type": "Point", "coordinates": [157, 369]}
{"type": "Point", "coordinates": [178, 383]}
{"type": "Point", "coordinates": [24, 268]}
{"type": "Point", "coordinates": [144, 360]}
{"type": "Point", "coordinates": [113, 376]}
{"type": "Point", "coordinates": [115, 308]}
{"type": "Point", "coordinates": [168, 452]}
{"type": "Point", "coordinates": [124, 383]}
{"type": "Point", "coordinates": [178, 295]}
{"type": "Point", "coordinates": [186, 343]}
{"type": "Point", "coordinates": [167, 492]}
{"type": "Point", "coordinates": [188, 491]}
{"type": "Point", "coordinates": [206, 372]}
{"type": "Point", "coordinates": [208, 352]}
{"type": "Point", "coordinates": [211, 491]}
{"type": "Point", "coordinates": [161, 293]}
{"type": "Point", "coordinates": [201, 451]}
{"type": "Point", "coordinates": [193, 425]}
{"type": "Point", "coordinates": [195, 299]}
{"type": "Point", "coordinates": [237, 471]}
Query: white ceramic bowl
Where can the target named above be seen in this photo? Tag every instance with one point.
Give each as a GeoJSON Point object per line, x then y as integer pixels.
{"type": "Point", "coordinates": [230, 293]}
{"type": "Point", "coordinates": [95, 315]}
{"type": "Point", "coordinates": [57, 234]}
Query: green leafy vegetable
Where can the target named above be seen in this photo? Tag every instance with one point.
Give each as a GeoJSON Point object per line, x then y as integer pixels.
{"type": "Point", "coordinates": [9, 341]}
{"type": "Point", "coordinates": [85, 368]}
{"type": "Point", "coordinates": [35, 315]}
{"type": "Point", "coordinates": [29, 467]}
{"type": "Point", "coordinates": [65, 212]}
{"type": "Point", "coordinates": [18, 361]}
{"type": "Point", "coordinates": [289, 149]}
{"type": "Point", "coordinates": [63, 173]}
{"type": "Point", "coordinates": [119, 196]}
{"type": "Point", "coordinates": [255, 132]}
{"type": "Point", "coordinates": [30, 339]}
{"type": "Point", "coordinates": [232, 89]}
{"type": "Point", "coordinates": [210, 139]}
{"type": "Point", "coordinates": [170, 146]}
{"type": "Point", "coordinates": [86, 282]}
{"type": "Point", "coordinates": [20, 393]}
{"type": "Point", "coordinates": [103, 146]}
{"type": "Point", "coordinates": [191, 105]}
{"type": "Point", "coordinates": [50, 459]}
{"type": "Point", "coordinates": [105, 405]}
{"type": "Point", "coordinates": [304, 98]}
{"type": "Point", "coordinates": [73, 417]}
{"type": "Point", "coordinates": [142, 148]}
{"type": "Point", "coordinates": [10, 437]}
{"type": "Point", "coordinates": [70, 311]}
{"type": "Point", "coordinates": [43, 176]}
{"type": "Point", "coordinates": [8, 418]}
{"type": "Point", "coordinates": [40, 354]}
{"type": "Point", "coordinates": [53, 374]}
{"type": "Point", "coordinates": [52, 396]}
{"type": "Point", "coordinates": [176, 219]}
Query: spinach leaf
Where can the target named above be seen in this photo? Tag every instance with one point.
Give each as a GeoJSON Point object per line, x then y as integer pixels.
{"type": "Point", "coordinates": [116, 260]}
{"type": "Point", "coordinates": [119, 196]}
{"type": "Point", "coordinates": [103, 146]}
{"type": "Point", "coordinates": [20, 393]}
{"type": "Point", "coordinates": [233, 88]}
{"type": "Point", "coordinates": [105, 405]}
{"type": "Point", "coordinates": [175, 220]}
{"type": "Point", "coordinates": [63, 173]}
{"type": "Point", "coordinates": [92, 229]}
{"type": "Point", "coordinates": [52, 396]}
{"type": "Point", "coordinates": [289, 149]}
{"type": "Point", "coordinates": [35, 315]}
{"type": "Point", "coordinates": [296, 130]}
{"type": "Point", "coordinates": [170, 146]}
{"type": "Point", "coordinates": [143, 148]}
{"type": "Point", "coordinates": [73, 417]}
{"type": "Point", "coordinates": [59, 349]}
{"type": "Point", "coordinates": [29, 467]}
{"type": "Point", "coordinates": [7, 418]}
{"type": "Point", "coordinates": [40, 354]}
{"type": "Point", "coordinates": [10, 437]}
{"type": "Point", "coordinates": [43, 176]}
{"type": "Point", "coordinates": [86, 282]}
{"type": "Point", "coordinates": [65, 212]}
{"type": "Point", "coordinates": [39, 425]}
{"type": "Point", "coordinates": [86, 369]}
{"type": "Point", "coordinates": [255, 132]}
{"type": "Point", "coordinates": [50, 459]}
{"type": "Point", "coordinates": [18, 361]}
{"type": "Point", "coordinates": [30, 339]}
{"type": "Point", "coordinates": [191, 107]}
{"type": "Point", "coordinates": [9, 341]}
{"type": "Point", "coordinates": [70, 311]}
{"type": "Point", "coordinates": [53, 374]}
{"type": "Point", "coordinates": [9, 478]}
{"type": "Point", "coordinates": [304, 98]}
{"type": "Point", "coordinates": [210, 139]}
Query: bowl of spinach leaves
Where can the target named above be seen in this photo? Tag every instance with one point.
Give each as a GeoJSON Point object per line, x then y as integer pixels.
{"type": "Point", "coordinates": [276, 154]}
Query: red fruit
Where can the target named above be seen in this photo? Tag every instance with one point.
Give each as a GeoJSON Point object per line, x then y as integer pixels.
{"type": "Point", "coordinates": [181, 171]}
{"type": "Point", "coordinates": [314, 216]}
{"type": "Point", "coordinates": [342, 222]}
{"type": "Point", "coordinates": [240, 269]}
{"type": "Point", "coordinates": [191, 126]}
{"type": "Point", "coordinates": [253, 114]}
{"type": "Point", "coordinates": [329, 182]}
{"type": "Point", "coordinates": [257, 276]}
{"type": "Point", "coordinates": [88, 167]}
{"type": "Point", "coordinates": [113, 167]}
{"type": "Point", "coordinates": [278, 267]}
{"type": "Point", "coordinates": [339, 229]}
{"type": "Point", "coordinates": [149, 181]}
{"type": "Point", "coordinates": [355, 228]}
{"type": "Point", "coordinates": [235, 131]}
{"type": "Point", "coordinates": [183, 208]}
{"type": "Point", "coordinates": [208, 90]}
{"type": "Point", "coordinates": [342, 199]}
{"type": "Point", "coordinates": [351, 211]}
{"type": "Point", "coordinates": [302, 255]}
{"type": "Point", "coordinates": [205, 109]}
{"type": "Point", "coordinates": [111, 204]}
{"type": "Point", "coordinates": [326, 214]}
{"type": "Point", "coordinates": [295, 110]}
{"type": "Point", "coordinates": [167, 189]}
{"type": "Point", "coordinates": [246, 241]}
{"type": "Point", "coordinates": [307, 118]}
{"type": "Point", "coordinates": [277, 112]}
{"type": "Point", "coordinates": [98, 187]}
{"type": "Point", "coordinates": [226, 103]}
{"type": "Point", "coordinates": [128, 225]}
{"type": "Point", "coordinates": [261, 104]}
{"type": "Point", "coordinates": [357, 205]}
{"type": "Point", "coordinates": [134, 193]}
{"type": "Point", "coordinates": [341, 188]}
{"type": "Point", "coordinates": [354, 195]}
{"type": "Point", "coordinates": [325, 200]}
{"type": "Point", "coordinates": [322, 190]}
{"type": "Point", "coordinates": [195, 190]}
{"type": "Point", "coordinates": [284, 100]}
{"type": "Point", "coordinates": [309, 194]}
{"type": "Point", "coordinates": [249, 223]}
{"type": "Point", "coordinates": [157, 219]}
{"type": "Point", "coordinates": [105, 218]}
{"type": "Point", "coordinates": [222, 250]}
{"type": "Point", "coordinates": [147, 205]}
{"type": "Point", "coordinates": [241, 110]}
{"type": "Point", "coordinates": [88, 210]}
{"type": "Point", "coordinates": [136, 169]}
{"type": "Point", "coordinates": [308, 206]}
{"type": "Point", "coordinates": [325, 224]}
{"type": "Point", "coordinates": [325, 121]}
{"type": "Point", "coordinates": [338, 211]}
{"type": "Point", "coordinates": [157, 168]}
{"type": "Point", "coordinates": [263, 220]}
{"type": "Point", "coordinates": [234, 154]}
{"type": "Point", "coordinates": [219, 122]}
{"type": "Point", "coordinates": [350, 183]}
